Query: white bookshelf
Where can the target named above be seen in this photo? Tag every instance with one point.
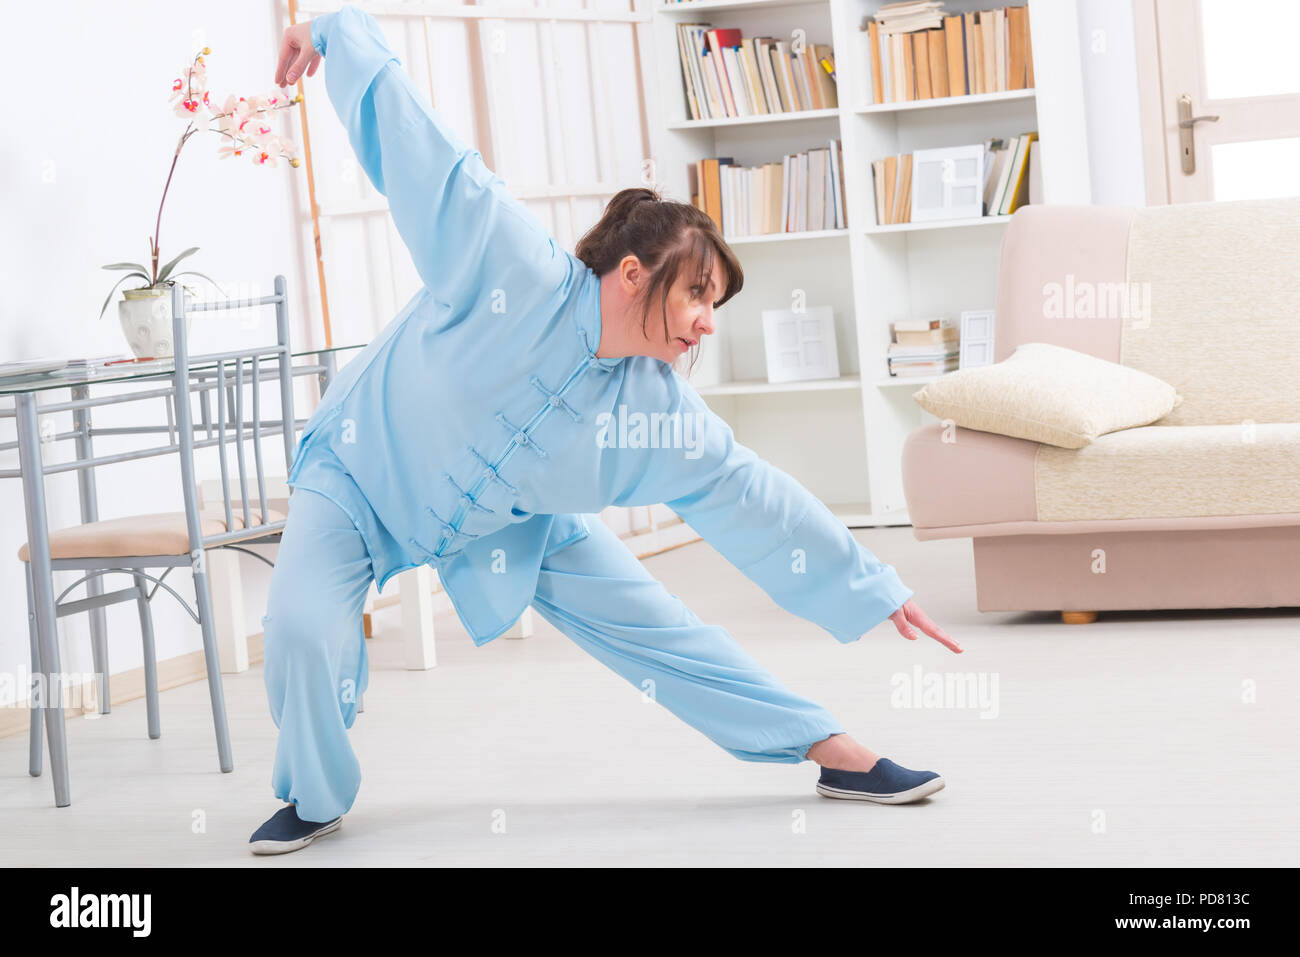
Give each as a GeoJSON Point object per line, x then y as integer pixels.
{"type": "Point", "coordinates": [842, 438]}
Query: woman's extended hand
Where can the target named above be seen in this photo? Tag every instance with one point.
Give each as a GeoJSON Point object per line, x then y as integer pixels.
{"type": "Point", "coordinates": [910, 614]}
{"type": "Point", "coordinates": [296, 55]}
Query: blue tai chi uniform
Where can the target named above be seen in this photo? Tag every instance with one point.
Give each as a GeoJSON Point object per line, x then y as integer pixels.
{"type": "Point", "coordinates": [479, 433]}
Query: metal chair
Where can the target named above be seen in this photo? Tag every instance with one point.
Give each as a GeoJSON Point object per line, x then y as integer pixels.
{"type": "Point", "coordinates": [134, 546]}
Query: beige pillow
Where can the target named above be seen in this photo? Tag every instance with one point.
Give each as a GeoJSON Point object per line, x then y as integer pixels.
{"type": "Point", "coordinates": [1049, 394]}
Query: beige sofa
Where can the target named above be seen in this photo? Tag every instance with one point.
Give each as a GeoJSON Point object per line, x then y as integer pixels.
{"type": "Point", "coordinates": [1200, 509]}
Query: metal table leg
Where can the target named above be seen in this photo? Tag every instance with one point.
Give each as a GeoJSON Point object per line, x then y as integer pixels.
{"type": "Point", "coordinates": [38, 546]}
{"type": "Point", "coordinates": [90, 513]}
{"type": "Point", "coordinates": [35, 731]}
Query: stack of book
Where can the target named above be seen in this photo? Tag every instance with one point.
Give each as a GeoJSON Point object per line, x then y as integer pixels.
{"type": "Point", "coordinates": [924, 347]}
{"type": "Point", "coordinates": [916, 53]}
{"type": "Point", "coordinates": [725, 74]}
{"type": "Point", "coordinates": [1006, 180]}
{"type": "Point", "coordinates": [805, 191]}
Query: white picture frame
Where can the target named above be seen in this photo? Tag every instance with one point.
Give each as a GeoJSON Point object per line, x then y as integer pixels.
{"type": "Point", "coordinates": [800, 346]}
{"type": "Point", "coordinates": [948, 183]}
{"type": "Point", "coordinates": [977, 338]}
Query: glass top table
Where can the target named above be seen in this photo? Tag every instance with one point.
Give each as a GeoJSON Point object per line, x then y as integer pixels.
{"type": "Point", "coordinates": [125, 371]}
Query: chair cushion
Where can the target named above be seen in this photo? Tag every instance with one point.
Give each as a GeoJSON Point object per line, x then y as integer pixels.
{"type": "Point", "coordinates": [1050, 394]}
{"type": "Point", "coordinates": [159, 534]}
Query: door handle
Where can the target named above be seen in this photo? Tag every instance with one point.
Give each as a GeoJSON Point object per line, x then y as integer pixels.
{"type": "Point", "coordinates": [1186, 127]}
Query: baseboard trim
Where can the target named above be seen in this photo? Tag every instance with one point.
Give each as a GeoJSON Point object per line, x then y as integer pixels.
{"type": "Point", "coordinates": [128, 685]}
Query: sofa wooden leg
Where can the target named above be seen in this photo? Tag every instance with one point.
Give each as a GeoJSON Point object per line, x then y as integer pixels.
{"type": "Point", "coordinates": [366, 628]}
{"type": "Point", "coordinates": [1078, 617]}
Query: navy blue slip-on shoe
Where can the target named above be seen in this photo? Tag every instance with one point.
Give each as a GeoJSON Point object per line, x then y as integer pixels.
{"type": "Point", "coordinates": [286, 832]}
{"type": "Point", "coordinates": [886, 783]}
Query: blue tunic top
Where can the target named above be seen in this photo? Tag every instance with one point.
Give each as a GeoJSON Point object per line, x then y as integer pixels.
{"type": "Point", "coordinates": [479, 430]}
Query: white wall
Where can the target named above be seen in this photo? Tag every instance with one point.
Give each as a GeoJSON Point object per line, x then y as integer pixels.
{"type": "Point", "coordinates": [1110, 89]}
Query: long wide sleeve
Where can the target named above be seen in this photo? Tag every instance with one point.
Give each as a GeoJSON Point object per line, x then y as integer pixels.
{"type": "Point", "coordinates": [468, 237]}
{"type": "Point", "coordinates": [762, 520]}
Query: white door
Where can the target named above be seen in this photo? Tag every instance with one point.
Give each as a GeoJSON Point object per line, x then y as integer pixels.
{"type": "Point", "coordinates": [1229, 95]}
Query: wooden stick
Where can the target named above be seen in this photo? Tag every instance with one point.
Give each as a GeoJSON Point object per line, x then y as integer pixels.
{"type": "Point", "coordinates": [311, 196]}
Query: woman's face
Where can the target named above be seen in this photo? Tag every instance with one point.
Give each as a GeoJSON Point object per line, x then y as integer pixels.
{"type": "Point", "coordinates": [688, 313]}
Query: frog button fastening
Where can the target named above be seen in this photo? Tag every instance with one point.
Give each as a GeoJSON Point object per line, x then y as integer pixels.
{"type": "Point", "coordinates": [556, 400]}
{"type": "Point", "coordinates": [520, 436]}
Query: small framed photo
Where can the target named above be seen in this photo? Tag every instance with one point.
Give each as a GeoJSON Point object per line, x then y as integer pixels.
{"type": "Point", "coordinates": [800, 345]}
{"type": "Point", "coordinates": [976, 338]}
{"type": "Point", "coordinates": [948, 183]}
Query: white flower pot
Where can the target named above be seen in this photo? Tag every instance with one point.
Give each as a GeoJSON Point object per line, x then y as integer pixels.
{"type": "Point", "coordinates": [146, 316]}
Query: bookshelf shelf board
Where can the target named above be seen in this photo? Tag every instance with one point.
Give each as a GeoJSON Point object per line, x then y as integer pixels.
{"type": "Point", "coordinates": [916, 380]}
{"type": "Point", "coordinates": [938, 224]}
{"type": "Point", "coordinates": [786, 237]}
{"type": "Point", "coordinates": [939, 102]}
{"type": "Point", "coordinates": [693, 5]}
{"type": "Point", "coordinates": [792, 116]}
{"type": "Point", "coordinates": [859, 515]}
{"type": "Point", "coordinates": [760, 386]}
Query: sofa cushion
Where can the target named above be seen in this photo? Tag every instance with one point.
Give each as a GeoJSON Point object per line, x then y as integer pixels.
{"type": "Point", "coordinates": [1072, 257]}
{"type": "Point", "coordinates": [1220, 281]}
{"type": "Point", "coordinates": [961, 482]}
{"type": "Point", "coordinates": [1166, 471]}
{"type": "Point", "coordinates": [1048, 393]}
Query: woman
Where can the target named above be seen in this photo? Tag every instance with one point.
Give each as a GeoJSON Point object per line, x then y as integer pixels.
{"type": "Point", "coordinates": [519, 389]}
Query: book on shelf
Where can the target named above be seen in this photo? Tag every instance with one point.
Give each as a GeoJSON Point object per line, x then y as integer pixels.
{"type": "Point", "coordinates": [918, 325]}
{"type": "Point", "coordinates": [802, 192]}
{"type": "Point", "coordinates": [1007, 180]}
{"type": "Point", "coordinates": [725, 74]}
{"type": "Point", "coordinates": [909, 15]}
{"type": "Point", "coordinates": [1006, 174]}
{"type": "Point", "coordinates": [925, 333]}
{"type": "Point", "coordinates": [903, 370]}
{"type": "Point", "coordinates": [1035, 175]}
{"type": "Point", "coordinates": [924, 347]}
{"type": "Point", "coordinates": [916, 52]}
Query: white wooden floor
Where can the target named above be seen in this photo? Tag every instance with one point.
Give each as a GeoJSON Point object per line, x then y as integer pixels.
{"type": "Point", "coordinates": [1125, 742]}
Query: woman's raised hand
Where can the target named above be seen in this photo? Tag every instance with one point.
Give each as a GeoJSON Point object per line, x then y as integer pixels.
{"type": "Point", "coordinates": [296, 55]}
{"type": "Point", "coordinates": [910, 614]}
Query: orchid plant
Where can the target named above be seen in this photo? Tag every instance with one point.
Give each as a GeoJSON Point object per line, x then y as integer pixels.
{"type": "Point", "coordinates": [244, 125]}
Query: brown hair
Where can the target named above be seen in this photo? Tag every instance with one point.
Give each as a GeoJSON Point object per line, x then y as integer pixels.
{"type": "Point", "coordinates": [667, 237]}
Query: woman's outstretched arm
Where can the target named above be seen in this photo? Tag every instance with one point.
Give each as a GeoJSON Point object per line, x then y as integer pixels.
{"type": "Point", "coordinates": [764, 522]}
{"type": "Point", "coordinates": [467, 235]}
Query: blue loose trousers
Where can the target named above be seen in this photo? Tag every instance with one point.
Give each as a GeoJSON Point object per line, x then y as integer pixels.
{"type": "Point", "coordinates": [595, 591]}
